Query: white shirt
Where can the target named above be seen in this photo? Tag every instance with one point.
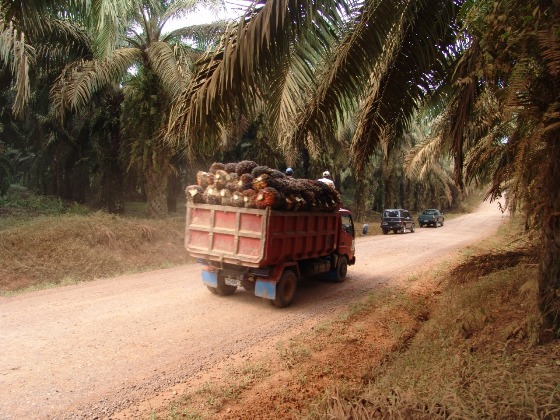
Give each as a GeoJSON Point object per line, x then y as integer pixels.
{"type": "Point", "coordinates": [327, 181]}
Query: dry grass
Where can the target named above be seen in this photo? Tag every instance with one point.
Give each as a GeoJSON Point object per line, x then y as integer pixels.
{"type": "Point", "coordinates": [480, 355]}
{"type": "Point", "coordinates": [44, 243]}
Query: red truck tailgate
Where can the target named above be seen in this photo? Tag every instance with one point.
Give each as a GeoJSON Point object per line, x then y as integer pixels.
{"type": "Point", "coordinates": [257, 238]}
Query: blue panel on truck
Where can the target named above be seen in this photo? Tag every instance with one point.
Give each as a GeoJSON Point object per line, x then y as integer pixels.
{"type": "Point", "coordinates": [210, 278]}
{"type": "Point", "coordinates": [265, 289]}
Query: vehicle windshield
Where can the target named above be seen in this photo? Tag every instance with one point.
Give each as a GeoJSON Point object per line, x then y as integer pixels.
{"type": "Point", "coordinates": [429, 212]}
{"type": "Point", "coordinates": [391, 213]}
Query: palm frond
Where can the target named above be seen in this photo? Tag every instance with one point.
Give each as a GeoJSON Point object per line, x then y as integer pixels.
{"type": "Point", "coordinates": [423, 157]}
{"type": "Point", "coordinates": [200, 37]}
{"type": "Point", "coordinates": [162, 59]}
{"type": "Point", "coordinates": [244, 63]}
{"type": "Point", "coordinates": [106, 18]}
{"type": "Point", "coordinates": [59, 41]}
{"type": "Point", "coordinates": [418, 63]}
{"type": "Point", "coordinates": [79, 81]}
{"type": "Point", "coordinates": [19, 56]}
{"type": "Point", "coordinates": [350, 66]}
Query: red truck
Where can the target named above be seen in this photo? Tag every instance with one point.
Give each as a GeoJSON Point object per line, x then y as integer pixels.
{"type": "Point", "coordinates": [268, 251]}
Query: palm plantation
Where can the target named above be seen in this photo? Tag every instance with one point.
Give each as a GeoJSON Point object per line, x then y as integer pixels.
{"type": "Point", "coordinates": [316, 78]}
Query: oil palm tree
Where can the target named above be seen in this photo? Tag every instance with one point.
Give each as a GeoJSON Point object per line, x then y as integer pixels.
{"type": "Point", "coordinates": [35, 32]}
{"type": "Point", "coordinates": [319, 66]}
{"type": "Point", "coordinates": [153, 67]}
{"type": "Point", "coordinates": [512, 70]}
{"type": "Point", "coordinates": [502, 120]}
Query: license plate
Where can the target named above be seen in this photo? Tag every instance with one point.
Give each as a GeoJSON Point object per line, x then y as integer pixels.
{"type": "Point", "coordinates": [230, 281]}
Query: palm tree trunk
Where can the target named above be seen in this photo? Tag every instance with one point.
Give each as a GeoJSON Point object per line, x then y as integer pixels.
{"type": "Point", "coordinates": [111, 189]}
{"type": "Point", "coordinates": [155, 185]}
{"type": "Point", "coordinates": [549, 282]}
{"type": "Point", "coordinates": [360, 198]}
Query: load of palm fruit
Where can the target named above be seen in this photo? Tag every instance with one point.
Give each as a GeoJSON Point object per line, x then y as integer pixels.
{"type": "Point", "coordinates": [247, 184]}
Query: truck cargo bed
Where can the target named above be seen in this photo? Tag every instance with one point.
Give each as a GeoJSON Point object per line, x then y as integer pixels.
{"type": "Point", "coordinates": [258, 238]}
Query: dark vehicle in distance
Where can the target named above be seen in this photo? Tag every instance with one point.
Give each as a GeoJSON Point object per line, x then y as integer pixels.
{"type": "Point", "coordinates": [397, 220]}
{"type": "Point", "coordinates": [432, 217]}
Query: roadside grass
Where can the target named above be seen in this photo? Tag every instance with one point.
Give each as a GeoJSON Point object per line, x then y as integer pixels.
{"type": "Point", "coordinates": [46, 243]}
{"type": "Point", "coordinates": [482, 353]}
{"type": "Point", "coordinates": [465, 339]}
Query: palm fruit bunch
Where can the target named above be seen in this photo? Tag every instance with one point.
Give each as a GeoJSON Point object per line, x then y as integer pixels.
{"type": "Point", "coordinates": [232, 184]}
{"type": "Point", "coordinates": [221, 178]}
{"type": "Point", "coordinates": [204, 179]}
{"type": "Point", "coordinates": [226, 197]}
{"type": "Point", "coordinates": [245, 167]}
{"type": "Point", "coordinates": [212, 196]}
{"type": "Point", "coordinates": [217, 166]}
{"type": "Point", "coordinates": [237, 199]}
{"type": "Point", "coordinates": [249, 199]}
{"type": "Point", "coordinates": [269, 197]}
{"type": "Point", "coordinates": [195, 194]}
{"type": "Point", "coordinates": [262, 181]}
{"type": "Point", "coordinates": [230, 167]}
{"type": "Point", "coordinates": [247, 184]}
{"type": "Point", "coordinates": [265, 177]}
{"type": "Point", "coordinates": [259, 170]}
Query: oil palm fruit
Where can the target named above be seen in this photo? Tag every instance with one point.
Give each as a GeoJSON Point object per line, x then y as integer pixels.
{"type": "Point", "coordinates": [202, 178]}
{"type": "Point", "coordinates": [261, 181]}
{"type": "Point", "coordinates": [268, 197]}
{"type": "Point", "coordinates": [194, 194]}
{"type": "Point", "coordinates": [245, 167]}
{"type": "Point", "coordinates": [275, 173]}
{"type": "Point", "coordinates": [216, 166]}
{"type": "Point", "coordinates": [221, 178]}
{"type": "Point", "coordinates": [259, 170]}
{"type": "Point", "coordinates": [226, 197]}
{"type": "Point", "coordinates": [237, 199]}
{"type": "Point", "coordinates": [249, 198]}
{"type": "Point", "coordinates": [230, 167]}
{"type": "Point", "coordinates": [212, 196]}
{"type": "Point", "coordinates": [245, 182]}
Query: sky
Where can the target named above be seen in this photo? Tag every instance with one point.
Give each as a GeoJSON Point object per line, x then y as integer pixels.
{"type": "Point", "coordinates": [205, 15]}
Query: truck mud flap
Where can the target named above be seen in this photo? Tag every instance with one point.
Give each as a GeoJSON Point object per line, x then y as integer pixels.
{"type": "Point", "coordinates": [265, 289]}
{"type": "Point", "coordinates": [210, 278]}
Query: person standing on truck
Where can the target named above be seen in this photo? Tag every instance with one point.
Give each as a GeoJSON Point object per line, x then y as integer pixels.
{"type": "Point", "coordinates": [327, 179]}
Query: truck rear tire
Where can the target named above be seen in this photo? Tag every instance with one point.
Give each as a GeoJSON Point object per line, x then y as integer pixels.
{"type": "Point", "coordinates": [222, 289]}
{"type": "Point", "coordinates": [341, 269]}
{"type": "Point", "coordinates": [285, 289]}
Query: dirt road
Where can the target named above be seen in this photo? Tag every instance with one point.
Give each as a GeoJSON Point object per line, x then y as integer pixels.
{"type": "Point", "coordinates": [93, 349]}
